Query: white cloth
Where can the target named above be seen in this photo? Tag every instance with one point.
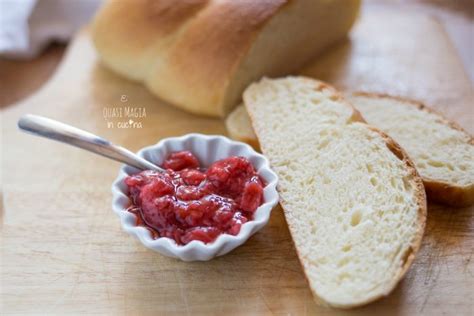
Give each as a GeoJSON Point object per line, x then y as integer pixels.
{"type": "Point", "coordinates": [28, 26]}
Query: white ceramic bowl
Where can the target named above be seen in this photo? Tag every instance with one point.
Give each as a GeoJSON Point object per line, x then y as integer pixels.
{"type": "Point", "coordinates": [207, 149]}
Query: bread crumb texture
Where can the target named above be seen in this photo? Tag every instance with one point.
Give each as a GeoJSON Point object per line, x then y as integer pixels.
{"type": "Point", "coordinates": [353, 207]}
{"type": "Point", "coordinates": [440, 150]}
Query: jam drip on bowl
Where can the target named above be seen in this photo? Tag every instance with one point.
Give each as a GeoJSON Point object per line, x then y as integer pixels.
{"type": "Point", "coordinates": [188, 203]}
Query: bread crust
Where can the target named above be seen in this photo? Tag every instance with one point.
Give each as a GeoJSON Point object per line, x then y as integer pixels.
{"type": "Point", "coordinates": [421, 199]}
{"type": "Point", "coordinates": [125, 32]}
{"type": "Point", "coordinates": [437, 191]}
{"type": "Point", "coordinates": [420, 196]}
{"type": "Point", "coordinates": [199, 54]}
{"type": "Point", "coordinates": [217, 47]}
{"type": "Point", "coordinates": [356, 115]}
{"type": "Point", "coordinates": [205, 44]}
{"type": "Point", "coordinates": [233, 129]}
{"type": "Point", "coordinates": [415, 245]}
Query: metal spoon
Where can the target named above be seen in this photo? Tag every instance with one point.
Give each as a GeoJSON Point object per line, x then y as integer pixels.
{"type": "Point", "coordinates": [55, 130]}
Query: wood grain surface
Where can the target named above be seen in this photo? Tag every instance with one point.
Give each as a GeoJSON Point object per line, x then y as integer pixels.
{"type": "Point", "coordinates": [62, 248]}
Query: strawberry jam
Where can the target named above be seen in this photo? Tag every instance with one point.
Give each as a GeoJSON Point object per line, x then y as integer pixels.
{"type": "Point", "coordinates": [188, 203]}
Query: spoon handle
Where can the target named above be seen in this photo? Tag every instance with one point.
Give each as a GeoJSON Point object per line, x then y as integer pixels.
{"type": "Point", "coordinates": [55, 130]}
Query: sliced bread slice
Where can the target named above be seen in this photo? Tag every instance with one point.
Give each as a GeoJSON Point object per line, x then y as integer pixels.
{"type": "Point", "coordinates": [441, 150]}
{"type": "Point", "coordinates": [353, 201]}
{"type": "Point", "coordinates": [240, 128]}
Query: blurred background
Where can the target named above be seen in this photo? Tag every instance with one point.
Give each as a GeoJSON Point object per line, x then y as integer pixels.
{"type": "Point", "coordinates": [34, 35]}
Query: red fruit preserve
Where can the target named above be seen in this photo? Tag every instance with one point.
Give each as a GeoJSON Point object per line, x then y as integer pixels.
{"type": "Point", "coordinates": [188, 203]}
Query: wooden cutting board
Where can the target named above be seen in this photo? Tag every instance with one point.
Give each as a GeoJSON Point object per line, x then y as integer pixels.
{"type": "Point", "coordinates": [63, 250]}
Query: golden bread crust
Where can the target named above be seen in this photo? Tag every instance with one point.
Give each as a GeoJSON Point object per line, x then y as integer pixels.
{"type": "Point", "coordinates": [199, 54]}
{"type": "Point", "coordinates": [185, 51]}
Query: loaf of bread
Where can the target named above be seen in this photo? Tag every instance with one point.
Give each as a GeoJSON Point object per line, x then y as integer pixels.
{"type": "Point", "coordinates": [200, 55]}
{"type": "Point", "coordinates": [441, 150]}
{"type": "Point", "coordinates": [240, 128]}
{"type": "Point", "coordinates": [353, 201]}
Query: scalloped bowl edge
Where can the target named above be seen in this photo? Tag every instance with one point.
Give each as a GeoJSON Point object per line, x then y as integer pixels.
{"type": "Point", "coordinates": [207, 148]}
